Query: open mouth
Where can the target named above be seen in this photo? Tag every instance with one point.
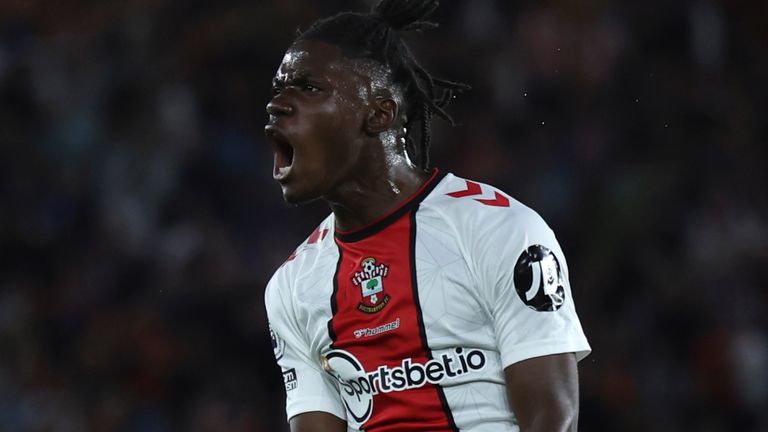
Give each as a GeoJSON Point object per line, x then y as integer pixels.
{"type": "Point", "coordinates": [283, 152]}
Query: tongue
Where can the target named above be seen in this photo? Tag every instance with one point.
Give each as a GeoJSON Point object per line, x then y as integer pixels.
{"type": "Point", "coordinates": [282, 163]}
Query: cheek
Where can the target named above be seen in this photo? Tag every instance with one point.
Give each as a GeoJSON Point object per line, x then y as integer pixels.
{"type": "Point", "coordinates": [340, 119]}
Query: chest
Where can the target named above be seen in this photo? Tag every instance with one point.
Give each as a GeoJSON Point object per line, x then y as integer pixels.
{"type": "Point", "coordinates": [392, 296]}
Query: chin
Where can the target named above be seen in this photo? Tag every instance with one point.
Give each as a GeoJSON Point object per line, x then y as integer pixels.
{"type": "Point", "coordinates": [296, 196]}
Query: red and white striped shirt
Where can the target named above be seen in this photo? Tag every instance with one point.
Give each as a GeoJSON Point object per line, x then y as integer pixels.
{"type": "Point", "coordinates": [408, 323]}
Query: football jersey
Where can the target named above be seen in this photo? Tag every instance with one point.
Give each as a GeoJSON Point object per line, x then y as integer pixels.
{"type": "Point", "coordinates": [408, 323]}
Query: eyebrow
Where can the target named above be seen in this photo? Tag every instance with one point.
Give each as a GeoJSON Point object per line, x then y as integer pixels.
{"type": "Point", "coordinates": [300, 78]}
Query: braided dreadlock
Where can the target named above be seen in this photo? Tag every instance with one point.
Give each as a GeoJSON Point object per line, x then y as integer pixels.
{"type": "Point", "coordinates": [376, 36]}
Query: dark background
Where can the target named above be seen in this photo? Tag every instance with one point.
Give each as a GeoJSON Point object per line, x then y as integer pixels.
{"type": "Point", "coordinates": [139, 222]}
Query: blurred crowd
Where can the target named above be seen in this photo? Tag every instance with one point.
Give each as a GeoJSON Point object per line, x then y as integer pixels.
{"type": "Point", "coordinates": [139, 222]}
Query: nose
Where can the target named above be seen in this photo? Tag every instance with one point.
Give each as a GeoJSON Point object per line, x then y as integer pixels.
{"type": "Point", "coordinates": [278, 106]}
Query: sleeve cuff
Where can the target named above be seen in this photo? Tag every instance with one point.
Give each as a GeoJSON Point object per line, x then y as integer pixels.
{"type": "Point", "coordinates": [303, 405]}
{"type": "Point", "coordinates": [530, 350]}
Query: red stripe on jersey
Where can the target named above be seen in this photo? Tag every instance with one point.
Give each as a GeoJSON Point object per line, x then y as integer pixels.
{"type": "Point", "coordinates": [370, 299]}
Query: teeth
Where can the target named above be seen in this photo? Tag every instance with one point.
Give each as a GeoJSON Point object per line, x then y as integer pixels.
{"type": "Point", "coordinates": [283, 153]}
{"type": "Point", "coordinates": [281, 172]}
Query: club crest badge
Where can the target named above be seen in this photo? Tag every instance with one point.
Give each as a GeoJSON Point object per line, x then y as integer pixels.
{"type": "Point", "coordinates": [370, 280]}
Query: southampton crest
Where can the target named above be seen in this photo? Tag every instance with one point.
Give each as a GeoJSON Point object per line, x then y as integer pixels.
{"type": "Point", "coordinates": [371, 283]}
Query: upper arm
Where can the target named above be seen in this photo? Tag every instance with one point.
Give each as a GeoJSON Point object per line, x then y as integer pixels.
{"type": "Point", "coordinates": [523, 276]}
{"type": "Point", "coordinates": [308, 388]}
{"type": "Point", "coordinates": [543, 393]}
{"type": "Point", "coordinates": [317, 421]}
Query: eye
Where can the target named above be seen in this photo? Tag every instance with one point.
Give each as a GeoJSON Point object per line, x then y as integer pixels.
{"type": "Point", "coordinates": [310, 88]}
{"type": "Point", "coordinates": [276, 90]}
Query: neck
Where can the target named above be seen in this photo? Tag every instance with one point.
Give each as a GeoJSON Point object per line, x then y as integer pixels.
{"type": "Point", "coordinates": [359, 203]}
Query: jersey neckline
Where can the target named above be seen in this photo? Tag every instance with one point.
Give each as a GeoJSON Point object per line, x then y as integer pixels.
{"type": "Point", "coordinates": [393, 215]}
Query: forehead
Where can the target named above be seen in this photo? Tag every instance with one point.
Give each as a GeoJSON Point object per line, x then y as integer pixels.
{"type": "Point", "coordinates": [314, 57]}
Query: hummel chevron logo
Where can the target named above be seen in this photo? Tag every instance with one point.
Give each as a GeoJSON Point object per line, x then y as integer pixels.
{"type": "Point", "coordinates": [473, 189]}
{"type": "Point", "coordinates": [315, 237]}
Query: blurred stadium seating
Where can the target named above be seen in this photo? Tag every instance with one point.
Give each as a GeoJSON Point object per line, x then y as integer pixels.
{"type": "Point", "coordinates": [139, 222]}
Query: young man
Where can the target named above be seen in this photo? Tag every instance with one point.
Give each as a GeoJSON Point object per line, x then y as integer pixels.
{"type": "Point", "coordinates": [424, 302]}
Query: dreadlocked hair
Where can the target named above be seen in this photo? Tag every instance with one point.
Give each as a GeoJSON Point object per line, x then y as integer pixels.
{"type": "Point", "coordinates": [376, 36]}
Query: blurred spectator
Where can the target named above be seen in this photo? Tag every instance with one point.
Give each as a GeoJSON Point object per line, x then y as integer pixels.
{"type": "Point", "coordinates": [139, 222]}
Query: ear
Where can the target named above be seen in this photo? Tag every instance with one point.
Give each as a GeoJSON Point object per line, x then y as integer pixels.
{"type": "Point", "coordinates": [382, 115]}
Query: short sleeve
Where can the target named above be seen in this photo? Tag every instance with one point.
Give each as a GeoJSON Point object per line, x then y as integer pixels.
{"type": "Point", "coordinates": [524, 278]}
{"type": "Point", "coordinates": [307, 386]}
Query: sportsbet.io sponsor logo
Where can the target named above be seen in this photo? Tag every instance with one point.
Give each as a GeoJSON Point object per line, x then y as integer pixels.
{"type": "Point", "coordinates": [358, 386]}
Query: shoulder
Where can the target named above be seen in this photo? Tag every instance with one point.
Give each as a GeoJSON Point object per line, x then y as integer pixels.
{"type": "Point", "coordinates": [474, 209]}
{"type": "Point", "coordinates": [302, 259]}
